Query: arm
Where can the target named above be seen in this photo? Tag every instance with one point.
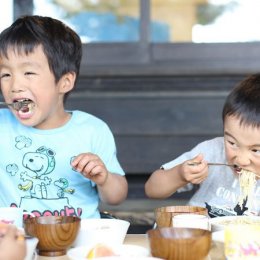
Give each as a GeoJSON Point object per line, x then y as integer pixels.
{"type": "Point", "coordinates": [112, 187]}
{"type": "Point", "coordinates": [163, 183]}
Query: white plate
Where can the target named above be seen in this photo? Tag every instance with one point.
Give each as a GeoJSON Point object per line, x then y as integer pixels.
{"type": "Point", "coordinates": [125, 251]}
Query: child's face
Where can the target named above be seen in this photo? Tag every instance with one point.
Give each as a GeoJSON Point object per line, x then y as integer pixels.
{"type": "Point", "coordinates": [29, 77]}
{"type": "Point", "coordinates": [242, 144]}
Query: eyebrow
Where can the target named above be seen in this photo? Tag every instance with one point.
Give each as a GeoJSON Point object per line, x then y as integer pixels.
{"type": "Point", "coordinates": [28, 63]}
{"type": "Point", "coordinates": [228, 134]}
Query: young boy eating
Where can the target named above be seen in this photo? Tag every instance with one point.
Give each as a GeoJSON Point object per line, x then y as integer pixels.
{"type": "Point", "coordinates": [53, 161]}
{"type": "Point", "coordinates": [224, 190]}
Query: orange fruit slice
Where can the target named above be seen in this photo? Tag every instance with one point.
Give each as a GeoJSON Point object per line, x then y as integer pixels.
{"type": "Point", "coordinates": [100, 250]}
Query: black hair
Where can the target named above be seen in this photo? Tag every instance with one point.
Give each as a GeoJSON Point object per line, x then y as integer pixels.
{"type": "Point", "coordinates": [61, 45]}
{"type": "Point", "coordinates": [243, 102]}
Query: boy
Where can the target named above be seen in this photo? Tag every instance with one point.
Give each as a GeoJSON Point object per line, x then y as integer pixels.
{"type": "Point", "coordinates": [219, 188]}
{"type": "Point", "coordinates": [53, 161]}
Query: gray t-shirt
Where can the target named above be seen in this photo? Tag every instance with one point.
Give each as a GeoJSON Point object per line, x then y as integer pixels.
{"type": "Point", "coordinates": [220, 191]}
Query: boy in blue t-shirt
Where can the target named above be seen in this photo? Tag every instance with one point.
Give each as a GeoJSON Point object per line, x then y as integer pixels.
{"type": "Point", "coordinates": [53, 161]}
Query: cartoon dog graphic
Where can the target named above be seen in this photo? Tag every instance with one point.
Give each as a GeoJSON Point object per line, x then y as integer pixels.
{"type": "Point", "coordinates": [40, 163]}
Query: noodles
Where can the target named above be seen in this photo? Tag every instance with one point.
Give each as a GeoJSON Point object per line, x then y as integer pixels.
{"type": "Point", "coordinates": [239, 221]}
{"type": "Point", "coordinates": [247, 182]}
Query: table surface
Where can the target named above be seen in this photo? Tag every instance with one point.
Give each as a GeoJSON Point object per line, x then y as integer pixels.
{"type": "Point", "coordinates": [216, 252]}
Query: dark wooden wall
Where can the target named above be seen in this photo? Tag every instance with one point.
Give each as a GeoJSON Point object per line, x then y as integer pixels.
{"type": "Point", "coordinates": [160, 100]}
{"type": "Point", "coordinates": [155, 118]}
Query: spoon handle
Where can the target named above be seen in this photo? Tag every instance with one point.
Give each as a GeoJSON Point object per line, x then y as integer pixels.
{"type": "Point", "coordinates": [213, 164]}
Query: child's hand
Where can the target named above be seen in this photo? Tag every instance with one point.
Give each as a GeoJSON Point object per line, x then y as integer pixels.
{"type": "Point", "coordinates": [12, 244]}
{"type": "Point", "coordinates": [196, 173]}
{"type": "Point", "coordinates": [91, 166]}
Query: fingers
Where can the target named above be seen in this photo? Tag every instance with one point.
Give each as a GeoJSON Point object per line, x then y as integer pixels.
{"type": "Point", "coordinates": [195, 170]}
{"type": "Point", "coordinates": [196, 160]}
{"type": "Point", "coordinates": [12, 244]}
{"type": "Point", "coordinates": [89, 165]}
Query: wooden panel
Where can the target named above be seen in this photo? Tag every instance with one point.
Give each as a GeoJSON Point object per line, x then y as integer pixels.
{"type": "Point", "coordinates": [146, 116]}
{"type": "Point", "coordinates": [144, 154]}
{"type": "Point", "coordinates": [137, 84]}
{"type": "Point", "coordinates": [155, 119]}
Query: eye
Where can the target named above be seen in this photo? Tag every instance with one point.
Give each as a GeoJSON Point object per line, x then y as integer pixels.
{"type": "Point", "coordinates": [231, 143]}
{"type": "Point", "coordinates": [4, 75]}
{"type": "Point", "coordinates": [256, 151]}
{"type": "Point", "coordinates": [29, 73]}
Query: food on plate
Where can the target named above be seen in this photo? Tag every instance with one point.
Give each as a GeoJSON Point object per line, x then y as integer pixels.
{"type": "Point", "coordinates": [247, 182]}
{"type": "Point", "coordinates": [100, 250]}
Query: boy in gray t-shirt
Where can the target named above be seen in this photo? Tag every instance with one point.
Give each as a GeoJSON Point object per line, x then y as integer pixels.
{"type": "Point", "coordinates": [219, 188]}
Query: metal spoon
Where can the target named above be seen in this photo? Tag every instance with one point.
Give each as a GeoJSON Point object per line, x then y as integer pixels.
{"type": "Point", "coordinates": [236, 167]}
{"type": "Point", "coordinates": [216, 164]}
{"type": "Point", "coordinates": [16, 105]}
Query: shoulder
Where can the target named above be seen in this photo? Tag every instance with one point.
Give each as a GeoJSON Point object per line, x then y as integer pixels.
{"type": "Point", "coordinates": [213, 150]}
{"type": "Point", "coordinates": [6, 117]}
{"type": "Point", "coordinates": [215, 143]}
{"type": "Point", "coordinates": [84, 119]}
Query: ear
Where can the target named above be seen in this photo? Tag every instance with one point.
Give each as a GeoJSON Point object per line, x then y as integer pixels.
{"type": "Point", "coordinates": [67, 82]}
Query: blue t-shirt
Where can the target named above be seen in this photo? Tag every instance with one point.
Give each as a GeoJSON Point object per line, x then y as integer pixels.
{"type": "Point", "coordinates": [35, 165]}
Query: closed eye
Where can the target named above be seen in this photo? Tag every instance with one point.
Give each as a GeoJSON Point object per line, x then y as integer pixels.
{"type": "Point", "coordinates": [5, 75]}
{"type": "Point", "coordinates": [29, 73]}
{"type": "Point", "coordinates": [231, 143]}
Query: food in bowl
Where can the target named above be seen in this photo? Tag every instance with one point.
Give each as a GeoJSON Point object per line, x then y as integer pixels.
{"type": "Point", "coordinates": [220, 223]}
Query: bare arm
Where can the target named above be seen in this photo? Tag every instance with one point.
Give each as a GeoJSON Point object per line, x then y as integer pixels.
{"type": "Point", "coordinates": [163, 183]}
{"type": "Point", "coordinates": [112, 188]}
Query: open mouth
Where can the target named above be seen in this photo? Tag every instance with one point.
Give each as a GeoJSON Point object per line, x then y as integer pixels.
{"type": "Point", "coordinates": [23, 105]}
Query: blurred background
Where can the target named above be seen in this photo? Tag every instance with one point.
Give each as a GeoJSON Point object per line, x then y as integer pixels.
{"type": "Point", "coordinates": [158, 72]}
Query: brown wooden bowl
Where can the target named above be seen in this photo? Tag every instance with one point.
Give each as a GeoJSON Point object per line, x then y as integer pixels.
{"type": "Point", "coordinates": [55, 233]}
{"type": "Point", "coordinates": [164, 215]}
{"type": "Point", "coordinates": [179, 243]}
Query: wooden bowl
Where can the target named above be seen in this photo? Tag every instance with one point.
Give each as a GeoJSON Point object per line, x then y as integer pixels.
{"type": "Point", "coordinates": [55, 233]}
{"type": "Point", "coordinates": [179, 243]}
{"type": "Point", "coordinates": [164, 215]}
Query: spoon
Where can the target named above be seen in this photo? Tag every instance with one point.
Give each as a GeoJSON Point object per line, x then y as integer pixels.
{"type": "Point", "coordinates": [16, 105]}
{"type": "Point", "coordinates": [234, 166]}
{"type": "Point", "coordinates": [216, 164]}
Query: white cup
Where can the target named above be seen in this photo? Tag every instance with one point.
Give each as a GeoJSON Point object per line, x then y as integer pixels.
{"type": "Point", "coordinates": [191, 221]}
{"type": "Point", "coordinates": [12, 215]}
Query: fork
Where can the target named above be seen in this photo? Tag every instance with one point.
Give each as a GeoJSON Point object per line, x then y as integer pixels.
{"type": "Point", "coordinates": [16, 105]}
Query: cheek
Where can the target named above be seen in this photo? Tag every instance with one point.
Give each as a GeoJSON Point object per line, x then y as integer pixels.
{"type": "Point", "coordinates": [229, 153]}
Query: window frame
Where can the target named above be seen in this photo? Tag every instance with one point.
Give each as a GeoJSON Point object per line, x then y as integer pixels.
{"type": "Point", "coordinates": [147, 58]}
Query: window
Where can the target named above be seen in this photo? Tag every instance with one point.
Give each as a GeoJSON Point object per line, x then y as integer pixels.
{"type": "Point", "coordinates": [163, 37]}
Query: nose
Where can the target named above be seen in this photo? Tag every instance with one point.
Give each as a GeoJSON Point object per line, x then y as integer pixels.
{"type": "Point", "coordinates": [17, 85]}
